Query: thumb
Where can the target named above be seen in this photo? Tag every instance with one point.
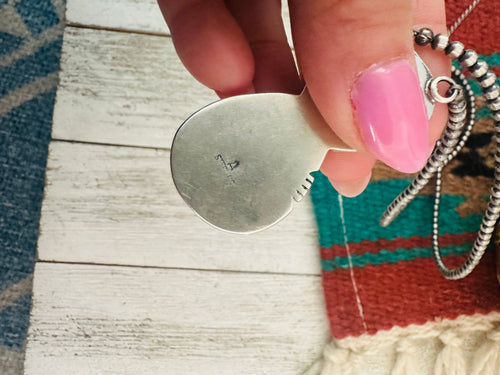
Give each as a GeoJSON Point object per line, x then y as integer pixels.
{"type": "Point", "coordinates": [357, 60]}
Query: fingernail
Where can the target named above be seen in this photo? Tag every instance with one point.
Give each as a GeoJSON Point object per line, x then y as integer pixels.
{"type": "Point", "coordinates": [390, 110]}
{"type": "Point", "coordinates": [351, 188]}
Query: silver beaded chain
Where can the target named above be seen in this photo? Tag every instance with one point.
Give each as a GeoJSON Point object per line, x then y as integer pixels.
{"type": "Point", "coordinates": [461, 118]}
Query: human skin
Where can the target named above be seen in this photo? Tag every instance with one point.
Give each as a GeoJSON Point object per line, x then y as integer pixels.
{"type": "Point", "coordinates": [239, 46]}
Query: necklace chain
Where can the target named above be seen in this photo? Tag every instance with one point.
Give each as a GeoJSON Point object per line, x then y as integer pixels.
{"type": "Point", "coordinates": [463, 16]}
{"type": "Point", "coordinates": [461, 118]}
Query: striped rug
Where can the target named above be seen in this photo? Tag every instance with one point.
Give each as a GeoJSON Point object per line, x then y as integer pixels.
{"type": "Point", "coordinates": [389, 308]}
{"type": "Point", "coordinates": [30, 45]}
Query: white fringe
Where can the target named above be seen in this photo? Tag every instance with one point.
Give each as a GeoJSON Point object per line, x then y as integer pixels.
{"type": "Point", "coordinates": [487, 358]}
{"type": "Point", "coordinates": [466, 345]}
{"type": "Point", "coordinates": [450, 361]}
{"type": "Point", "coordinates": [406, 361]}
{"type": "Point", "coordinates": [336, 360]}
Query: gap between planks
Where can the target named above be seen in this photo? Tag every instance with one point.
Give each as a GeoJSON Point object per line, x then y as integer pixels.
{"type": "Point", "coordinates": [317, 276]}
{"type": "Point", "coordinates": [125, 15]}
{"type": "Point", "coordinates": [142, 16]}
{"type": "Point", "coordinates": [121, 88]}
{"type": "Point", "coordinates": [118, 205]}
{"type": "Point", "coordinates": [90, 143]}
{"type": "Point", "coordinates": [116, 29]}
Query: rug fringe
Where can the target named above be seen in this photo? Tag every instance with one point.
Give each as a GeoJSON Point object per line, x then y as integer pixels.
{"type": "Point", "coordinates": [487, 358]}
{"type": "Point", "coordinates": [466, 345]}
{"type": "Point", "coordinates": [406, 361]}
{"type": "Point", "coordinates": [450, 360]}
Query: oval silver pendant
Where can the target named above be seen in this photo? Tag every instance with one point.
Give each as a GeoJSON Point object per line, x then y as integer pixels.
{"type": "Point", "coordinates": [241, 163]}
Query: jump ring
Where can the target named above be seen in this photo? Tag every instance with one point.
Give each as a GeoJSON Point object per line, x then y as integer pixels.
{"type": "Point", "coordinates": [433, 91]}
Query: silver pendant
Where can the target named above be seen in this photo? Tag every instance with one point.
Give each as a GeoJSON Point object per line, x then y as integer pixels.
{"type": "Point", "coordinates": [240, 163]}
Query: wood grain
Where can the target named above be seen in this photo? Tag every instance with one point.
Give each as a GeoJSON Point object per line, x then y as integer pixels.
{"type": "Point", "coordinates": [121, 88]}
{"type": "Point", "coordinates": [127, 15]}
{"type": "Point", "coordinates": [131, 15]}
{"type": "Point", "coordinates": [118, 205]}
{"type": "Point", "coordinates": [118, 320]}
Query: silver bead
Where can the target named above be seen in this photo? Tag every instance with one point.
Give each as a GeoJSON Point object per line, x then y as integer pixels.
{"type": "Point", "coordinates": [424, 36]}
{"type": "Point", "coordinates": [491, 92]}
{"type": "Point", "coordinates": [440, 42]}
{"type": "Point", "coordinates": [496, 115]}
{"type": "Point", "coordinates": [458, 108]}
{"type": "Point", "coordinates": [457, 117]}
{"type": "Point", "coordinates": [489, 215]}
{"type": "Point", "coordinates": [494, 105]}
{"type": "Point", "coordinates": [468, 59]}
{"type": "Point", "coordinates": [487, 80]}
{"type": "Point", "coordinates": [488, 229]}
{"type": "Point", "coordinates": [455, 50]}
{"type": "Point", "coordinates": [479, 69]}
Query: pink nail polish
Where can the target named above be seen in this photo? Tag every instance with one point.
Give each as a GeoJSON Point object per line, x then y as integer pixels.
{"type": "Point", "coordinates": [390, 110]}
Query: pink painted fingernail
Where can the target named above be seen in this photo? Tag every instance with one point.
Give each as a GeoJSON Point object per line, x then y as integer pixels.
{"type": "Point", "coordinates": [390, 110]}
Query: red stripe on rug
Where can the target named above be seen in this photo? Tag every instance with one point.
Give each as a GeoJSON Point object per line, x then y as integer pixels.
{"type": "Point", "coordinates": [397, 243]}
{"type": "Point", "coordinates": [406, 293]}
{"type": "Point", "coordinates": [480, 29]}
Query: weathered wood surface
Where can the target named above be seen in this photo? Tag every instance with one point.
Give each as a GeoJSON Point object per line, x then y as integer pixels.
{"type": "Point", "coordinates": [120, 320]}
{"type": "Point", "coordinates": [131, 15]}
{"type": "Point", "coordinates": [126, 15]}
{"type": "Point", "coordinates": [121, 88]}
{"type": "Point", "coordinates": [118, 205]}
{"type": "Point", "coordinates": [148, 307]}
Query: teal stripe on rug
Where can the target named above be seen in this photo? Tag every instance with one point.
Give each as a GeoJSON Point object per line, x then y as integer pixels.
{"type": "Point", "coordinates": [493, 61]}
{"type": "Point", "coordinates": [391, 257]}
{"type": "Point", "coordinates": [363, 212]}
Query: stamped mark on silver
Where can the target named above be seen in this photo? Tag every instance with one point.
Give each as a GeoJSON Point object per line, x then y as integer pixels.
{"type": "Point", "coordinates": [228, 166]}
{"type": "Point", "coordinates": [231, 166]}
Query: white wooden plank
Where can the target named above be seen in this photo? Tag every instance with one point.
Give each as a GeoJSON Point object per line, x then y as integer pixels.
{"type": "Point", "coordinates": [118, 205]}
{"type": "Point", "coordinates": [132, 15]}
{"type": "Point", "coordinates": [123, 88]}
{"type": "Point", "coordinates": [119, 320]}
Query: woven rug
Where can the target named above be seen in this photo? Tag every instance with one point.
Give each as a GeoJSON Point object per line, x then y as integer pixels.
{"type": "Point", "coordinates": [389, 308]}
{"type": "Point", "coordinates": [30, 45]}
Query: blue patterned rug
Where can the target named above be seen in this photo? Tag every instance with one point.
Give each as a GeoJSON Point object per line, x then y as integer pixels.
{"type": "Point", "coordinates": [30, 48]}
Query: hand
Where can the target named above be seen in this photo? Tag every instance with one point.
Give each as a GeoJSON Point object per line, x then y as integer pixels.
{"type": "Point", "coordinates": [239, 46]}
